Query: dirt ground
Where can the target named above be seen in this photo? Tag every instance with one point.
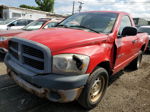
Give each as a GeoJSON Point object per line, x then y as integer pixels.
{"type": "Point", "coordinates": [128, 92]}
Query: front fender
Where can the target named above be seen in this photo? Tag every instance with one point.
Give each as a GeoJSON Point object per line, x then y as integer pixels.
{"type": "Point", "coordinates": [98, 53]}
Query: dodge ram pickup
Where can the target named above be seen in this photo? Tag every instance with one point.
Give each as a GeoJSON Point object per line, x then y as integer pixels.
{"type": "Point", "coordinates": [75, 59]}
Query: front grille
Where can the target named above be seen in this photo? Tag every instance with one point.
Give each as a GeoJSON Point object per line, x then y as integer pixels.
{"type": "Point", "coordinates": [13, 45]}
{"type": "Point", "coordinates": [34, 63]}
{"type": "Point", "coordinates": [14, 54]}
{"type": "Point", "coordinates": [31, 51]}
{"type": "Point", "coordinates": [27, 55]}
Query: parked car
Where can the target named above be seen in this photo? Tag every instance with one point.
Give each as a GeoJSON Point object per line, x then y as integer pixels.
{"type": "Point", "coordinates": [75, 60]}
{"type": "Point", "coordinates": [14, 23]}
{"type": "Point", "coordinates": [42, 23]}
{"type": "Point", "coordinates": [147, 30]}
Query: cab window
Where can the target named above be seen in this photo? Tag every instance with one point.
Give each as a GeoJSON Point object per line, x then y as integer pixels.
{"type": "Point", "coordinates": [20, 22]}
{"type": "Point", "coordinates": [51, 24]}
{"type": "Point", "coordinates": [124, 23]}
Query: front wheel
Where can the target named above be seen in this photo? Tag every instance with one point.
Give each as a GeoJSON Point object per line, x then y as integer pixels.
{"type": "Point", "coordinates": [94, 89]}
{"type": "Point", "coordinates": [2, 55]}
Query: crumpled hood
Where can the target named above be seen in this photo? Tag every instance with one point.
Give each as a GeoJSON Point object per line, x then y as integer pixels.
{"type": "Point", "coordinates": [63, 38]}
{"type": "Point", "coordinates": [8, 33]}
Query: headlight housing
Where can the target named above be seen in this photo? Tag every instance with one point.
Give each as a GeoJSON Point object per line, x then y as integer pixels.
{"type": "Point", "coordinates": [3, 39]}
{"type": "Point", "coordinates": [70, 63]}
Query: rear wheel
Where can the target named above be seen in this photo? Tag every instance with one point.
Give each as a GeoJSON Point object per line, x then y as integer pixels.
{"type": "Point", "coordinates": [148, 48]}
{"type": "Point", "coordinates": [94, 89]}
{"type": "Point", "coordinates": [136, 63]}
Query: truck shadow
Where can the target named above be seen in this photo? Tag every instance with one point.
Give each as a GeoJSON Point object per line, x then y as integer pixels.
{"type": "Point", "coordinates": [147, 53]}
{"type": "Point", "coordinates": [115, 77]}
{"type": "Point", "coordinates": [17, 99]}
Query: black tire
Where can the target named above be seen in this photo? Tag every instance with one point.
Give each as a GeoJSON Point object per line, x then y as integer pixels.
{"type": "Point", "coordinates": [85, 98]}
{"type": "Point", "coordinates": [136, 63]}
{"type": "Point", "coordinates": [2, 56]}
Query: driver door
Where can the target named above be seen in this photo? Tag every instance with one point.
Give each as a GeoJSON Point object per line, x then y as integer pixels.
{"type": "Point", "coordinates": [124, 46]}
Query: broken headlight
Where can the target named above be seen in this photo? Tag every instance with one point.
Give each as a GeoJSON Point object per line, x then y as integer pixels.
{"type": "Point", "coordinates": [70, 63]}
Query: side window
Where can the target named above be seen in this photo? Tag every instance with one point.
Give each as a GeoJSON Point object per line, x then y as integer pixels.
{"type": "Point", "coordinates": [49, 25]}
{"type": "Point", "coordinates": [28, 21]}
{"type": "Point", "coordinates": [21, 22]}
{"type": "Point", "coordinates": [125, 22]}
{"type": "Point", "coordinates": [13, 23]}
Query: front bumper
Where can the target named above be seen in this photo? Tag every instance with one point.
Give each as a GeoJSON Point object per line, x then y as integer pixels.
{"type": "Point", "coordinates": [55, 87]}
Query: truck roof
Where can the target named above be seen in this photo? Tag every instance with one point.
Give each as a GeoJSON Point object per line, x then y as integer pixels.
{"type": "Point", "coordinates": [117, 12]}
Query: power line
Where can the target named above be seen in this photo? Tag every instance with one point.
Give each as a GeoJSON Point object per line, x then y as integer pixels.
{"type": "Point", "coordinates": [127, 4]}
{"type": "Point", "coordinates": [124, 2]}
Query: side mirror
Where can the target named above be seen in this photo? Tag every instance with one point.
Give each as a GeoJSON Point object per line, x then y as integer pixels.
{"type": "Point", "coordinates": [129, 31]}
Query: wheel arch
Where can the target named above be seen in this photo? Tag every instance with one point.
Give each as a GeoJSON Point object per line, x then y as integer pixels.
{"type": "Point", "coordinates": [106, 65]}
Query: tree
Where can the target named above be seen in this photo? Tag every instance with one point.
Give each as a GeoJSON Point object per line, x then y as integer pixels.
{"type": "Point", "coordinates": [29, 7]}
{"type": "Point", "coordinates": [45, 5]}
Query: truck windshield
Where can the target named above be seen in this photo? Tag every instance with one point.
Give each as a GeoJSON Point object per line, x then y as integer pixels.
{"type": "Point", "coordinates": [99, 22]}
{"type": "Point", "coordinates": [35, 25]}
{"type": "Point", "coordinates": [147, 30]}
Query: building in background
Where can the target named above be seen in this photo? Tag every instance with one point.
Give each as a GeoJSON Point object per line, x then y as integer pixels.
{"type": "Point", "coordinates": [7, 12]}
{"type": "Point", "coordinates": [140, 22]}
{"type": "Point", "coordinates": [148, 19]}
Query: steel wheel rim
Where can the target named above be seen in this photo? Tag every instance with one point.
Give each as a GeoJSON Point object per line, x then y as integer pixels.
{"type": "Point", "coordinates": [97, 89]}
{"type": "Point", "coordinates": [139, 61]}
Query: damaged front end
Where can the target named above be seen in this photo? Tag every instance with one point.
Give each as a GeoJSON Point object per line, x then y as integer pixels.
{"type": "Point", "coordinates": [59, 78]}
{"type": "Point", "coordinates": [52, 94]}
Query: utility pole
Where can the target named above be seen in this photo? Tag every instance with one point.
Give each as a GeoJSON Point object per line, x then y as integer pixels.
{"type": "Point", "coordinates": [73, 7]}
{"type": "Point", "coordinates": [80, 6]}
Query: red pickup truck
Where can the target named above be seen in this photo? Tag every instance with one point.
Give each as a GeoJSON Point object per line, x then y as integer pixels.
{"type": "Point", "coordinates": [74, 60]}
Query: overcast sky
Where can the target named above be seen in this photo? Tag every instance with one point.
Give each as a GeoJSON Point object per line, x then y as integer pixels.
{"type": "Point", "coordinates": [137, 8]}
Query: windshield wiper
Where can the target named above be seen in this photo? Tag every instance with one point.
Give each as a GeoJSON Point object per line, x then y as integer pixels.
{"type": "Point", "coordinates": [26, 29]}
{"type": "Point", "coordinates": [80, 26]}
{"type": "Point", "coordinates": [65, 26]}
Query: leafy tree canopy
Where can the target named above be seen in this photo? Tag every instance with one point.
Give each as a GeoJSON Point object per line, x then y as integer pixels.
{"type": "Point", "coordinates": [46, 5]}
{"type": "Point", "coordinates": [43, 5]}
{"type": "Point", "coordinates": [29, 7]}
